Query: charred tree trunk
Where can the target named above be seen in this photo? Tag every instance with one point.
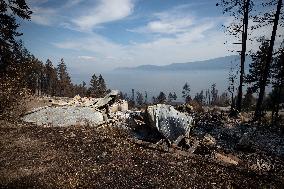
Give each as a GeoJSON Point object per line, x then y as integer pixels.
{"type": "Point", "coordinates": [259, 108]}
{"type": "Point", "coordinates": [232, 102]}
{"type": "Point", "coordinates": [243, 55]}
{"type": "Point", "coordinates": [278, 104]}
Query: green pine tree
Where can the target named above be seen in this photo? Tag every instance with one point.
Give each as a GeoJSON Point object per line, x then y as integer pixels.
{"type": "Point", "coordinates": [64, 80]}
{"type": "Point", "coordinates": [186, 92]}
{"type": "Point", "coordinates": [277, 94]}
{"type": "Point", "coordinates": [139, 98]}
{"type": "Point", "coordinates": [51, 78]}
{"type": "Point", "coordinates": [161, 98]}
{"type": "Point", "coordinates": [93, 90]}
{"type": "Point", "coordinates": [256, 68]}
{"type": "Point", "coordinates": [102, 89]}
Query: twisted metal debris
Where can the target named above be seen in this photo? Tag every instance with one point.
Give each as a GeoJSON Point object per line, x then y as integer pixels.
{"type": "Point", "coordinates": [168, 121]}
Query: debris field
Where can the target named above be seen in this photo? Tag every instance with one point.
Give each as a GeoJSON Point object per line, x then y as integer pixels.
{"type": "Point", "coordinates": [99, 143]}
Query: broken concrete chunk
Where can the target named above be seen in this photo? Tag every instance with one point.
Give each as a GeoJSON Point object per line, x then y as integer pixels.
{"type": "Point", "coordinates": [209, 140]}
{"type": "Point", "coordinates": [194, 146]}
{"type": "Point", "coordinates": [59, 103]}
{"type": "Point", "coordinates": [109, 99]}
{"type": "Point", "coordinates": [121, 105]}
{"type": "Point", "coordinates": [107, 103]}
{"type": "Point", "coordinates": [168, 121]}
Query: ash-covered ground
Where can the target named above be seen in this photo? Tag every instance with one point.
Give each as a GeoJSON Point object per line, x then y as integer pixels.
{"type": "Point", "coordinates": [158, 147]}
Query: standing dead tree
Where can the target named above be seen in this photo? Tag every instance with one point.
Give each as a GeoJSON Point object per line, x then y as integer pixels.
{"type": "Point", "coordinates": [231, 88]}
{"type": "Point", "coordinates": [278, 84]}
{"type": "Point", "coordinates": [259, 108]}
{"type": "Point", "coordinates": [239, 9]}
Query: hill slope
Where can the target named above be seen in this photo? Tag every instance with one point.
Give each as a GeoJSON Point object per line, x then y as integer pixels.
{"type": "Point", "coordinates": [211, 64]}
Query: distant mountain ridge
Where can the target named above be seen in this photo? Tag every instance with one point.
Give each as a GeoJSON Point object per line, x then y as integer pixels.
{"type": "Point", "coordinates": [221, 63]}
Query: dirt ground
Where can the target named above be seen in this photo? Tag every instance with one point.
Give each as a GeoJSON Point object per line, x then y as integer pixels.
{"type": "Point", "coordinates": [87, 157]}
{"type": "Point", "coordinates": [35, 102]}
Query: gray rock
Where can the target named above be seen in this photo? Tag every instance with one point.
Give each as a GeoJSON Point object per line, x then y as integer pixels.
{"type": "Point", "coordinates": [168, 121]}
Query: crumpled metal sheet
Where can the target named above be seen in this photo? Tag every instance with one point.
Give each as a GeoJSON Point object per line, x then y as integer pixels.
{"type": "Point", "coordinates": [168, 121]}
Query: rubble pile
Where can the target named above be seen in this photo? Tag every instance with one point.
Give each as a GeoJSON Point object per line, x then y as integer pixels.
{"type": "Point", "coordinates": [159, 121]}
{"type": "Point", "coordinates": [119, 106]}
{"type": "Point", "coordinates": [78, 101]}
{"type": "Point", "coordinates": [83, 102]}
{"type": "Point", "coordinates": [234, 134]}
{"type": "Point", "coordinates": [108, 100]}
{"type": "Point", "coordinates": [208, 133]}
{"type": "Point", "coordinates": [76, 111]}
{"type": "Point", "coordinates": [127, 119]}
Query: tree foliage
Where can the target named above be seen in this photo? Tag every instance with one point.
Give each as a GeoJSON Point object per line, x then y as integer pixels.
{"type": "Point", "coordinates": [268, 62]}
{"type": "Point", "coordinates": [102, 88]}
{"type": "Point", "coordinates": [249, 100]}
{"type": "Point", "coordinates": [161, 98]}
{"type": "Point", "coordinates": [93, 86]}
{"type": "Point", "coordinates": [256, 68]}
{"type": "Point", "coordinates": [200, 98]}
{"type": "Point", "coordinates": [186, 92]}
{"type": "Point", "coordinates": [139, 98]}
{"type": "Point", "coordinates": [172, 97]}
{"type": "Point", "coordinates": [64, 80]}
{"type": "Point", "coordinates": [97, 86]}
{"type": "Point", "coordinates": [21, 73]}
{"type": "Point", "coordinates": [277, 94]}
{"type": "Point", "coordinates": [214, 94]}
{"type": "Point", "coordinates": [240, 10]}
{"type": "Point", "coordinates": [12, 56]}
{"type": "Point", "coordinates": [9, 44]}
{"type": "Point", "coordinates": [50, 79]}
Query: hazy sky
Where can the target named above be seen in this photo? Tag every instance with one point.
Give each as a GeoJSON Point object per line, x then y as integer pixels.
{"type": "Point", "coordinates": [103, 34]}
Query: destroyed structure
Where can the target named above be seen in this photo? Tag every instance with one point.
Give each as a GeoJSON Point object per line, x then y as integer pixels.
{"type": "Point", "coordinates": [77, 111]}
{"type": "Point", "coordinates": [161, 118]}
{"type": "Point", "coordinates": [209, 134]}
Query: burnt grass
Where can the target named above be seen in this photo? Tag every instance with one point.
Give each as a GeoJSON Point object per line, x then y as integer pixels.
{"type": "Point", "coordinates": [88, 157]}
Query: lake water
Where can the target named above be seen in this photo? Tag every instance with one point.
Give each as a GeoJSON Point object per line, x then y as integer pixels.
{"type": "Point", "coordinates": [154, 82]}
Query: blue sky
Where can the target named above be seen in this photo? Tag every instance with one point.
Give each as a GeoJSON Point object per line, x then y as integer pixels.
{"type": "Point", "coordinates": [100, 35]}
